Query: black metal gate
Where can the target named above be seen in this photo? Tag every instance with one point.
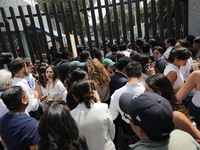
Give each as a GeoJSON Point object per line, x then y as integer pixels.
{"type": "Point", "coordinates": [116, 21]}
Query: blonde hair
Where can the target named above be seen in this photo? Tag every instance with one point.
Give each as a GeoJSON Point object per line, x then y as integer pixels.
{"type": "Point", "coordinates": [98, 73]}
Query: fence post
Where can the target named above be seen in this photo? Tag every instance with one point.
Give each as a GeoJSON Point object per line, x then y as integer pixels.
{"type": "Point", "coordinates": [7, 26]}
{"type": "Point", "coordinates": [17, 31]}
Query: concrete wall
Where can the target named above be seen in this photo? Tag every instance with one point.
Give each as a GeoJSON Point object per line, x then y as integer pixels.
{"type": "Point", "coordinates": [194, 17]}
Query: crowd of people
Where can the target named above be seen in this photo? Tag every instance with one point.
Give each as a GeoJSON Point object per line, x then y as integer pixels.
{"type": "Point", "coordinates": [137, 99]}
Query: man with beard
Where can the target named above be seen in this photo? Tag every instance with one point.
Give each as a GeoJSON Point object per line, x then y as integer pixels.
{"type": "Point", "coordinates": [19, 70]}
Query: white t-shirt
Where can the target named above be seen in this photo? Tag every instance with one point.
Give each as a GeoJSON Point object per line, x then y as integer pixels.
{"type": "Point", "coordinates": [133, 88]}
{"type": "Point", "coordinates": [33, 102]}
{"type": "Point", "coordinates": [30, 81]}
{"type": "Point", "coordinates": [179, 81]}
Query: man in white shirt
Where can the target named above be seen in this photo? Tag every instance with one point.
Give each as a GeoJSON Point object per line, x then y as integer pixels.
{"type": "Point", "coordinates": [5, 82]}
{"type": "Point", "coordinates": [29, 77]}
{"type": "Point", "coordinates": [19, 70]}
{"type": "Point", "coordinates": [133, 86]}
{"type": "Point", "coordinates": [169, 44]}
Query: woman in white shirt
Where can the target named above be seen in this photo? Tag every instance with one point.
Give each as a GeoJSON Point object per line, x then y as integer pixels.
{"type": "Point", "coordinates": [178, 57]}
{"type": "Point", "coordinates": [93, 119]}
{"type": "Point", "coordinates": [56, 92]}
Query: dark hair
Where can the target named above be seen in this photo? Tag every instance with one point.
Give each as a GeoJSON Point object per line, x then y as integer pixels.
{"type": "Point", "coordinates": [145, 47]}
{"type": "Point", "coordinates": [16, 65]}
{"type": "Point", "coordinates": [12, 97]}
{"type": "Point", "coordinates": [134, 69]}
{"type": "Point", "coordinates": [197, 40]}
{"type": "Point", "coordinates": [180, 53]}
{"type": "Point", "coordinates": [77, 74]}
{"type": "Point", "coordinates": [160, 82]}
{"type": "Point", "coordinates": [159, 48]}
{"type": "Point", "coordinates": [190, 38]}
{"type": "Point", "coordinates": [27, 61]}
{"type": "Point", "coordinates": [84, 55]}
{"type": "Point", "coordinates": [172, 41]}
{"type": "Point", "coordinates": [82, 91]}
{"type": "Point", "coordinates": [80, 48]}
{"type": "Point", "coordinates": [114, 48]}
{"type": "Point", "coordinates": [66, 54]}
{"type": "Point", "coordinates": [122, 62]}
{"type": "Point", "coordinates": [58, 130]}
{"type": "Point", "coordinates": [183, 43]}
{"type": "Point", "coordinates": [41, 80]}
{"type": "Point", "coordinates": [56, 75]}
{"type": "Point", "coordinates": [143, 59]}
{"type": "Point", "coordinates": [98, 54]}
{"type": "Point", "coordinates": [153, 43]}
{"type": "Point", "coordinates": [122, 46]}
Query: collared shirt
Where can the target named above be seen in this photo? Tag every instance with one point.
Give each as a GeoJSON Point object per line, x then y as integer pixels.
{"type": "Point", "coordinates": [133, 88]}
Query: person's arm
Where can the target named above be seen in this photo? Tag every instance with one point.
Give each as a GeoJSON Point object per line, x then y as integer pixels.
{"type": "Point", "coordinates": [183, 123]}
{"type": "Point", "coordinates": [35, 147]}
{"type": "Point", "coordinates": [38, 89]}
{"type": "Point", "coordinates": [2, 142]}
{"type": "Point", "coordinates": [189, 85]}
{"type": "Point", "coordinates": [172, 76]}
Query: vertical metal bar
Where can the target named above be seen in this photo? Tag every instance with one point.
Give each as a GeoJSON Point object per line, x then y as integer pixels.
{"type": "Point", "coordinates": [36, 39]}
{"type": "Point", "coordinates": [66, 29]}
{"type": "Point", "coordinates": [7, 26]}
{"type": "Point", "coordinates": [80, 26]}
{"type": "Point", "coordinates": [123, 20]}
{"type": "Point", "coordinates": [146, 20]}
{"type": "Point", "coordinates": [58, 27]}
{"type": "Point", "coordinates": [2, 41]}
{"type": "Point", "coordinates": [138, 18]}
{"type": "Point", "coordinates": [177, 19]}
{"type": "Point", "coordinates": [50, 29]}
{"type": "Point", "coordinates": [24, 23]}
{"type": "Point", "coordinates": [44, 39]}
{"type": "Point", "coordinates": [169, 19]}
{"type": "Point", "coordinates": [109, 22]}
{"type": "Point", "coordinates": [87, 26]}
{"type": "Point", "coordinates": [17, 31]}
{"type": "Point", "coordinates": [131, 24]}
{"type": "Point", "coordinates": [161, 20]}
{"type": "Point", "coordinates": [153, 16]}
{"type": "Point", "coordinates": [116, 21]}
{"type": "Point", "coordinates": [94, 24]}
{"type": "Point", "coordinates": [185, 18]}
{"type": "Point", "coordinates": [73, 22]}
{"type": "Point", "coordinates": [146, 25]}
{"type": "Point", "coordinates": [102, 26]}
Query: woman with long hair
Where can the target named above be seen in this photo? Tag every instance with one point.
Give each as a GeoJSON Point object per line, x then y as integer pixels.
{"type": "Point", "coordinates": [178, 57]}
{"type": "Point", "coordinates": [77, 74]}
{"type": "Point", "coordinates": [41, 83]}
{"type": "Point", "coordinates": [161, 85]}
{"type": "Point", "coordinates": [58, 130]}
{"type": "Point", "coordinates": [56, 92]}
{"type": "Point", "coordinates": [93, 119]}
{"type": "Point", "coordinates": [99, 76]}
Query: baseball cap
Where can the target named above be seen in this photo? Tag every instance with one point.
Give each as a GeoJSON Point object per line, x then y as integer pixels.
{"type": "Point", "coordinates": [108, 62]}
{"type": "Point", "coordinates": [151, 112]}
{"type": "Point", "coordinates": [75, 64]}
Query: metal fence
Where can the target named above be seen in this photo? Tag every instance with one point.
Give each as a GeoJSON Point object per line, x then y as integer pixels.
{"type": "Point", "coordinates": [117, 21]}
